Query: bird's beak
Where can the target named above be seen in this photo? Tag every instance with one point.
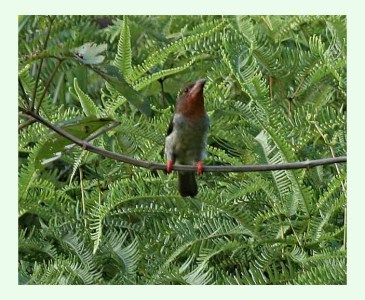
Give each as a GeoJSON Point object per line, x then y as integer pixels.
{"type": "Point", "coordinates": [197, 88]}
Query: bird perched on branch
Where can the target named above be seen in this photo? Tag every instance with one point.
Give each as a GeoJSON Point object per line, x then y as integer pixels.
{"type": "Point", "coordinates": [187, 136]}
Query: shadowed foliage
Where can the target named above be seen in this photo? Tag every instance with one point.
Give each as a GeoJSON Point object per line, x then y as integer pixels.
{"type": "Point", "coordinates": [275, 93]}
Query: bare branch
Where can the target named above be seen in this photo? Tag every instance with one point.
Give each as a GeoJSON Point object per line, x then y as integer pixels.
{"type": "Point", "coordinates": [158, 166]}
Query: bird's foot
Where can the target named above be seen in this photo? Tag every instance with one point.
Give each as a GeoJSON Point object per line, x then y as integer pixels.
{"type": "Point", "coordinates": [169, 166]}
{"type": "Point", "coordinates": [199, 168]}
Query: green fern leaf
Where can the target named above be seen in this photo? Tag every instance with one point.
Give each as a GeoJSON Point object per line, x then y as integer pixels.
{"type": "Point", "coordinates": [123, 58]}
{"type": "Point", "coordinates": [89, 107]}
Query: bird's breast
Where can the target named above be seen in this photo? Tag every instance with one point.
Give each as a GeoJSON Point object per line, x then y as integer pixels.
{"type": "Point", "coordinates": [188, 138]}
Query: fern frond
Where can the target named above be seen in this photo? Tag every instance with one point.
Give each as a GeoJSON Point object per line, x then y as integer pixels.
{"type": "Point", "coordinates": [123, 58]}
{"type": "Point", "coordinates": [275, 93]}
{"type": "Point", "coordinates": [161, 55]}
{"type": "Point", "coordinates": [147, 80]}
{"type": "Point", "coordinates": [89, 107]}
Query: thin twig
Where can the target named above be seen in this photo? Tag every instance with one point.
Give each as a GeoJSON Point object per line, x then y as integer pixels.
{"type": "Point", "coordinates": [48, 84]}
{"type": "Point", "coordinates": [290, 100]}
{"type": "Point", "coordinates": [26, 123]}
{"type": "Point", "coordinates": [158, 166]}
{"type": "Point", "coordinates": [271, 83]}
{"type": "Point", "coordinates": [161, 81]}
{"type": "Point", "coordinates": [82, 195]}
{"type": "Point", "coordinates": [99, 132]}
{"type": "Point", "coordinates": [25, 96]}
{"type": "Point", "coordinates": [40, 65]}
{"type": "Point", "coordinates": [326, 142]}
{"type": "Point", "coordinates": [298, 88]}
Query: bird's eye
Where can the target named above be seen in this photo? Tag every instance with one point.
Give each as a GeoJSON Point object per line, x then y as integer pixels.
{"type": "Point", "coordinates": [186, 90]}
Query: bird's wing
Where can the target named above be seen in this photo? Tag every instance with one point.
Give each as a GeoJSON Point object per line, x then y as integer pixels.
{"type": "Point", "coordinates": [170, 128]}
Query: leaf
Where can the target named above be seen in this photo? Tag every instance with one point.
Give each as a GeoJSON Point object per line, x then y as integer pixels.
{"type": "Point", "coordinates": [89, 53]}
{"type": "Point", "coordinates": [121, 225]}
{"type": "Point", "coordinates": [112, 76]}
{"type": "Point", "coordinates": [55, 144]}
{"type": "Point", "coordinates": [89, 107]}
{"type": "Point", "coordinates": [123, 58]}
{"type": "Point", "coordinates": [145, 81]}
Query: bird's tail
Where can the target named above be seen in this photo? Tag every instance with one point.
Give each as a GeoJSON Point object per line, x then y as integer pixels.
{"type": "Point", "coordinates": [187, 184]}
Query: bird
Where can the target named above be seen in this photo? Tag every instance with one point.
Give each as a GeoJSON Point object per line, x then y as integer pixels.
{"type": "Point", "coordinates": [186, 137]}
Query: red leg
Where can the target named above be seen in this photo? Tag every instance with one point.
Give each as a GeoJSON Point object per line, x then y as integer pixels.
{"type": "Point", "coordinates": [169, 166]}
{"type": "Point", "coordinates": [199, 166]}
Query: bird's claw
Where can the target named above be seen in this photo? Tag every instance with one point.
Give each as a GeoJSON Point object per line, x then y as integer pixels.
{"type": "Point", "coordinates": [199, 168]}
{"type": "Point", "coordinates": [169, 166]}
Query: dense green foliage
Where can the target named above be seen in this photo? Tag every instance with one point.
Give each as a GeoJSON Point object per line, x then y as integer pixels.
{"type": "Point", "coordinates": [276, 92]}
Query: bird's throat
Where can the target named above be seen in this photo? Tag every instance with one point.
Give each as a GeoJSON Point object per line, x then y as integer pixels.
{"type": "Point", "coordinates": [192, 107]}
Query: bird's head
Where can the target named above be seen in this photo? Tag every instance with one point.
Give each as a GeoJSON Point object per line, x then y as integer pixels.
{"type": "Point", "coordinates": [191, 100]}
